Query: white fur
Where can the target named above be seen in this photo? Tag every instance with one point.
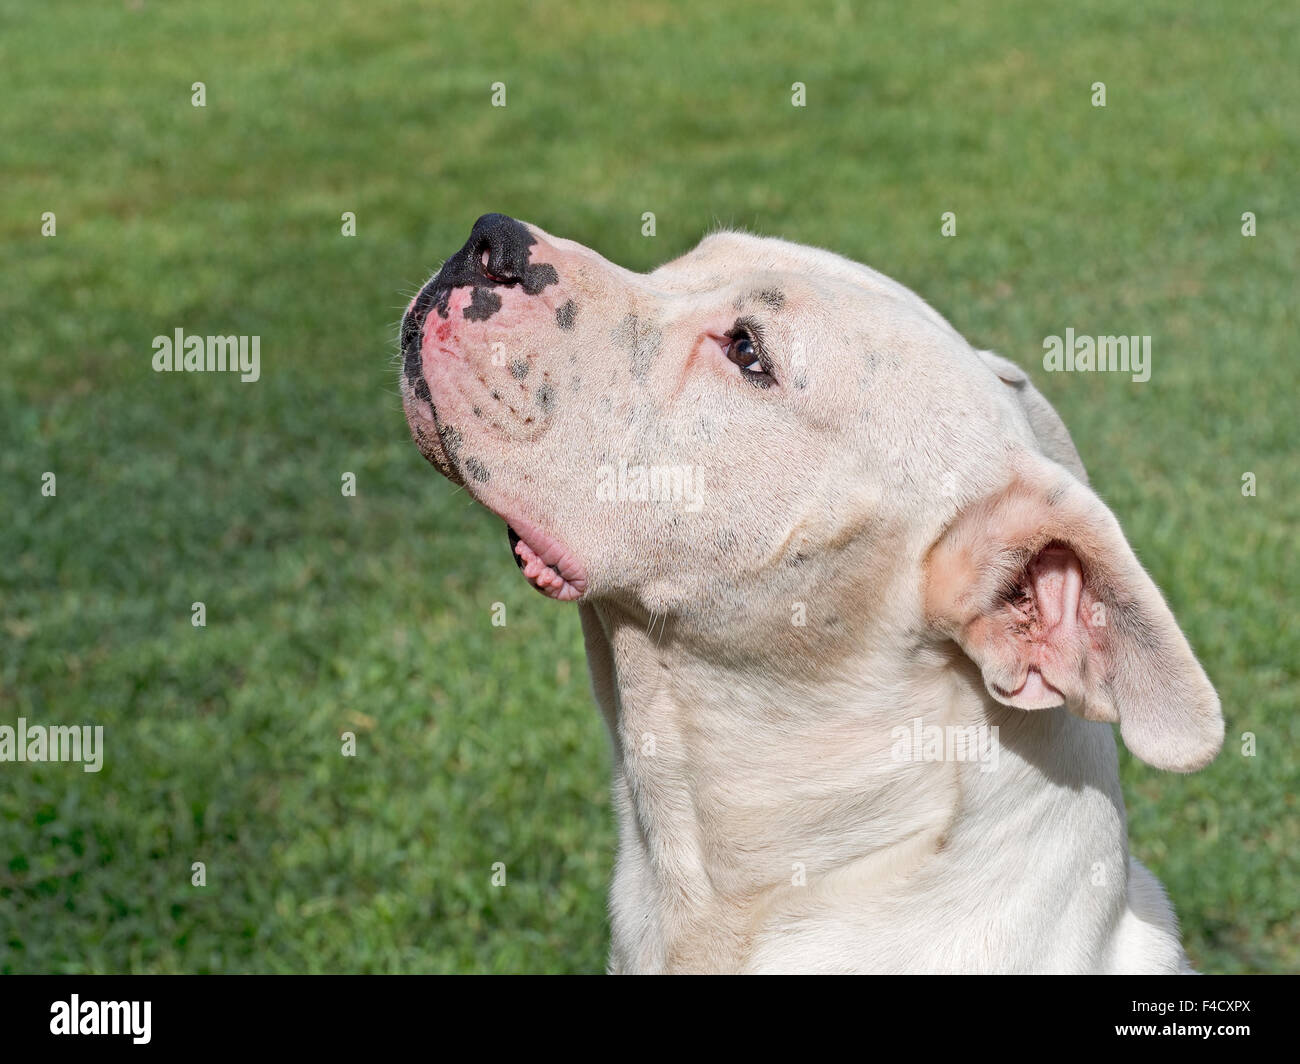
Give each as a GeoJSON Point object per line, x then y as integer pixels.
{"type": "Point", "coordinates": [765, 824]}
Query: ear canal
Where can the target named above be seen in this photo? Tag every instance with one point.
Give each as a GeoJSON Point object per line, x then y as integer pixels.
{"type": "Point", "coordinates": [1038, 586]}
{"type": "Point", "coordinates": [1043, 630]}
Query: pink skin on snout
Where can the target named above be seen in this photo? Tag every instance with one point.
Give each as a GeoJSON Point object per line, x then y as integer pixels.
{"type": "Point", "coordinates": [456, 357]}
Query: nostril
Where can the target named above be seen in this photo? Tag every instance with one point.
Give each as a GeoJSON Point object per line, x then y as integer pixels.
{"type": "Point", "coordinates": [500, 248]}
{"type": "Point", "coordinates": [496, 272]}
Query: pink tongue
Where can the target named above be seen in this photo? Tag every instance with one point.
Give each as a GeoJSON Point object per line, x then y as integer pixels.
{"type": "Point", "coordinates": [542, 576]}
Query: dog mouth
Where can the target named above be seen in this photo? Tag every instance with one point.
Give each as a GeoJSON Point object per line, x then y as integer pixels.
{"type": "Point", "coordinates": [546, 564]}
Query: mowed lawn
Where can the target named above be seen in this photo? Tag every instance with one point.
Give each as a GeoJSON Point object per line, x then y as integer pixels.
{"type": "Point", "coordinates": [372, 614]}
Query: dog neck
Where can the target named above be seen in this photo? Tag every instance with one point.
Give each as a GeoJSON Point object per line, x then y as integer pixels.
{"type": "Point", "coordinates": [746, 799]}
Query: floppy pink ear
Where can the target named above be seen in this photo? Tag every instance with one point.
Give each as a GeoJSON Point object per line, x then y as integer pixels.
{"type": "Point", "coordinates": [1039, 587]}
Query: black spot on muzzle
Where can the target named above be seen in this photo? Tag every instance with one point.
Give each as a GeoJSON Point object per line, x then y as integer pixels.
{"type": "Point", "coordinates": [495, 256]}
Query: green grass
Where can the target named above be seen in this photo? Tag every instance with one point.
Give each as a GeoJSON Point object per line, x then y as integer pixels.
{"type": "Point", "coordinates": [479, 744]}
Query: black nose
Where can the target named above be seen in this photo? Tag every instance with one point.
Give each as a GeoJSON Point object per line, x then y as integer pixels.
{"type": "Point", "coordinates": [496, 254]}
{"type": "Point", "coordinates": [498, 249]}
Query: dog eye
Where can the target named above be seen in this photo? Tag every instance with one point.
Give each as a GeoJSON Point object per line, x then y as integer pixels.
{"type": "Point", "coordinates": [744, 351]}
{"type": "Point", "coordinates": [744, 355]}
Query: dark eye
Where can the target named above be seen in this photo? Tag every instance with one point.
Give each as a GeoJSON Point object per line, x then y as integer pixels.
{"type": "Point", "coordinates": [745, 352]}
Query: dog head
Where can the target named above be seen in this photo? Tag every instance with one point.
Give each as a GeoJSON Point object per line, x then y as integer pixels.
{"type": "Point", "coordinates": [780, 453]}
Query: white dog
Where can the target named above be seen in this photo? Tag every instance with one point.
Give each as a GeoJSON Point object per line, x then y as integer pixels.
{"type": "Point", "coordinates": [854, 618]}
